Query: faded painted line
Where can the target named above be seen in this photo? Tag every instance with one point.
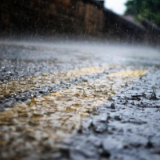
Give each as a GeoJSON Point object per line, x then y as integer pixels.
{"type": "Point", "coordinates": [50, 119]}
{"type": "Point", "coordinates": [24, 84]}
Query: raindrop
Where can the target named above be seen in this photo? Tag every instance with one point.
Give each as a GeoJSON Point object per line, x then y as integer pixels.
{"type": "Point", "coordinates": [153, 95]}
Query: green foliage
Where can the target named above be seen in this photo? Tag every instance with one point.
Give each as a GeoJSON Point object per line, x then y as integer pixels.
{"type": "Point", "coordinates": [144, 9]}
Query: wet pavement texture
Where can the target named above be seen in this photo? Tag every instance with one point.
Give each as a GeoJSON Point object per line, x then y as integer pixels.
{"type": "Point", "coordinates": [79, 100]}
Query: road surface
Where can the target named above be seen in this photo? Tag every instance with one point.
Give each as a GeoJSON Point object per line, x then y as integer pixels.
{"type": "Point", "coordinates": [79, 100]}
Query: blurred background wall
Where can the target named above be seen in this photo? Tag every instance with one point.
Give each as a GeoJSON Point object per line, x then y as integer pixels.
{"type": "Point", "coordinates": [72, 17]}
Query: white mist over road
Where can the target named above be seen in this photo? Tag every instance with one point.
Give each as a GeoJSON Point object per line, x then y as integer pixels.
{"type": "Point", "coordinates": [100, 50]}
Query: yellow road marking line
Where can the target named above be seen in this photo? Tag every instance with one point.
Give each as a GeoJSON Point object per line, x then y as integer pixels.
{"type": "Point", "coordinates": [128, 73]}
{"type": "Point", "coordinates": [47, 79]}
{"type": "Point", "coordinates": [52, 118]}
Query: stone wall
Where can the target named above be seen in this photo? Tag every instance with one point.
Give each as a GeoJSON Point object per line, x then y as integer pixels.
{"type": "Point", "coordinates": [71, 17]}
{"type": "Point", "coordinates": [119, 28]}
{"type": "Point", "coordinates": [51, 16]}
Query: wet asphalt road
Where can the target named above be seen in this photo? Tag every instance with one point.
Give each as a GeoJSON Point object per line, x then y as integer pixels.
{"type": "Point", "coordinates": [79, 100]}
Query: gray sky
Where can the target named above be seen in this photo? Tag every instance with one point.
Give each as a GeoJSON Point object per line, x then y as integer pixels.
{"type": "Point", "coordinates": [116, 5]}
